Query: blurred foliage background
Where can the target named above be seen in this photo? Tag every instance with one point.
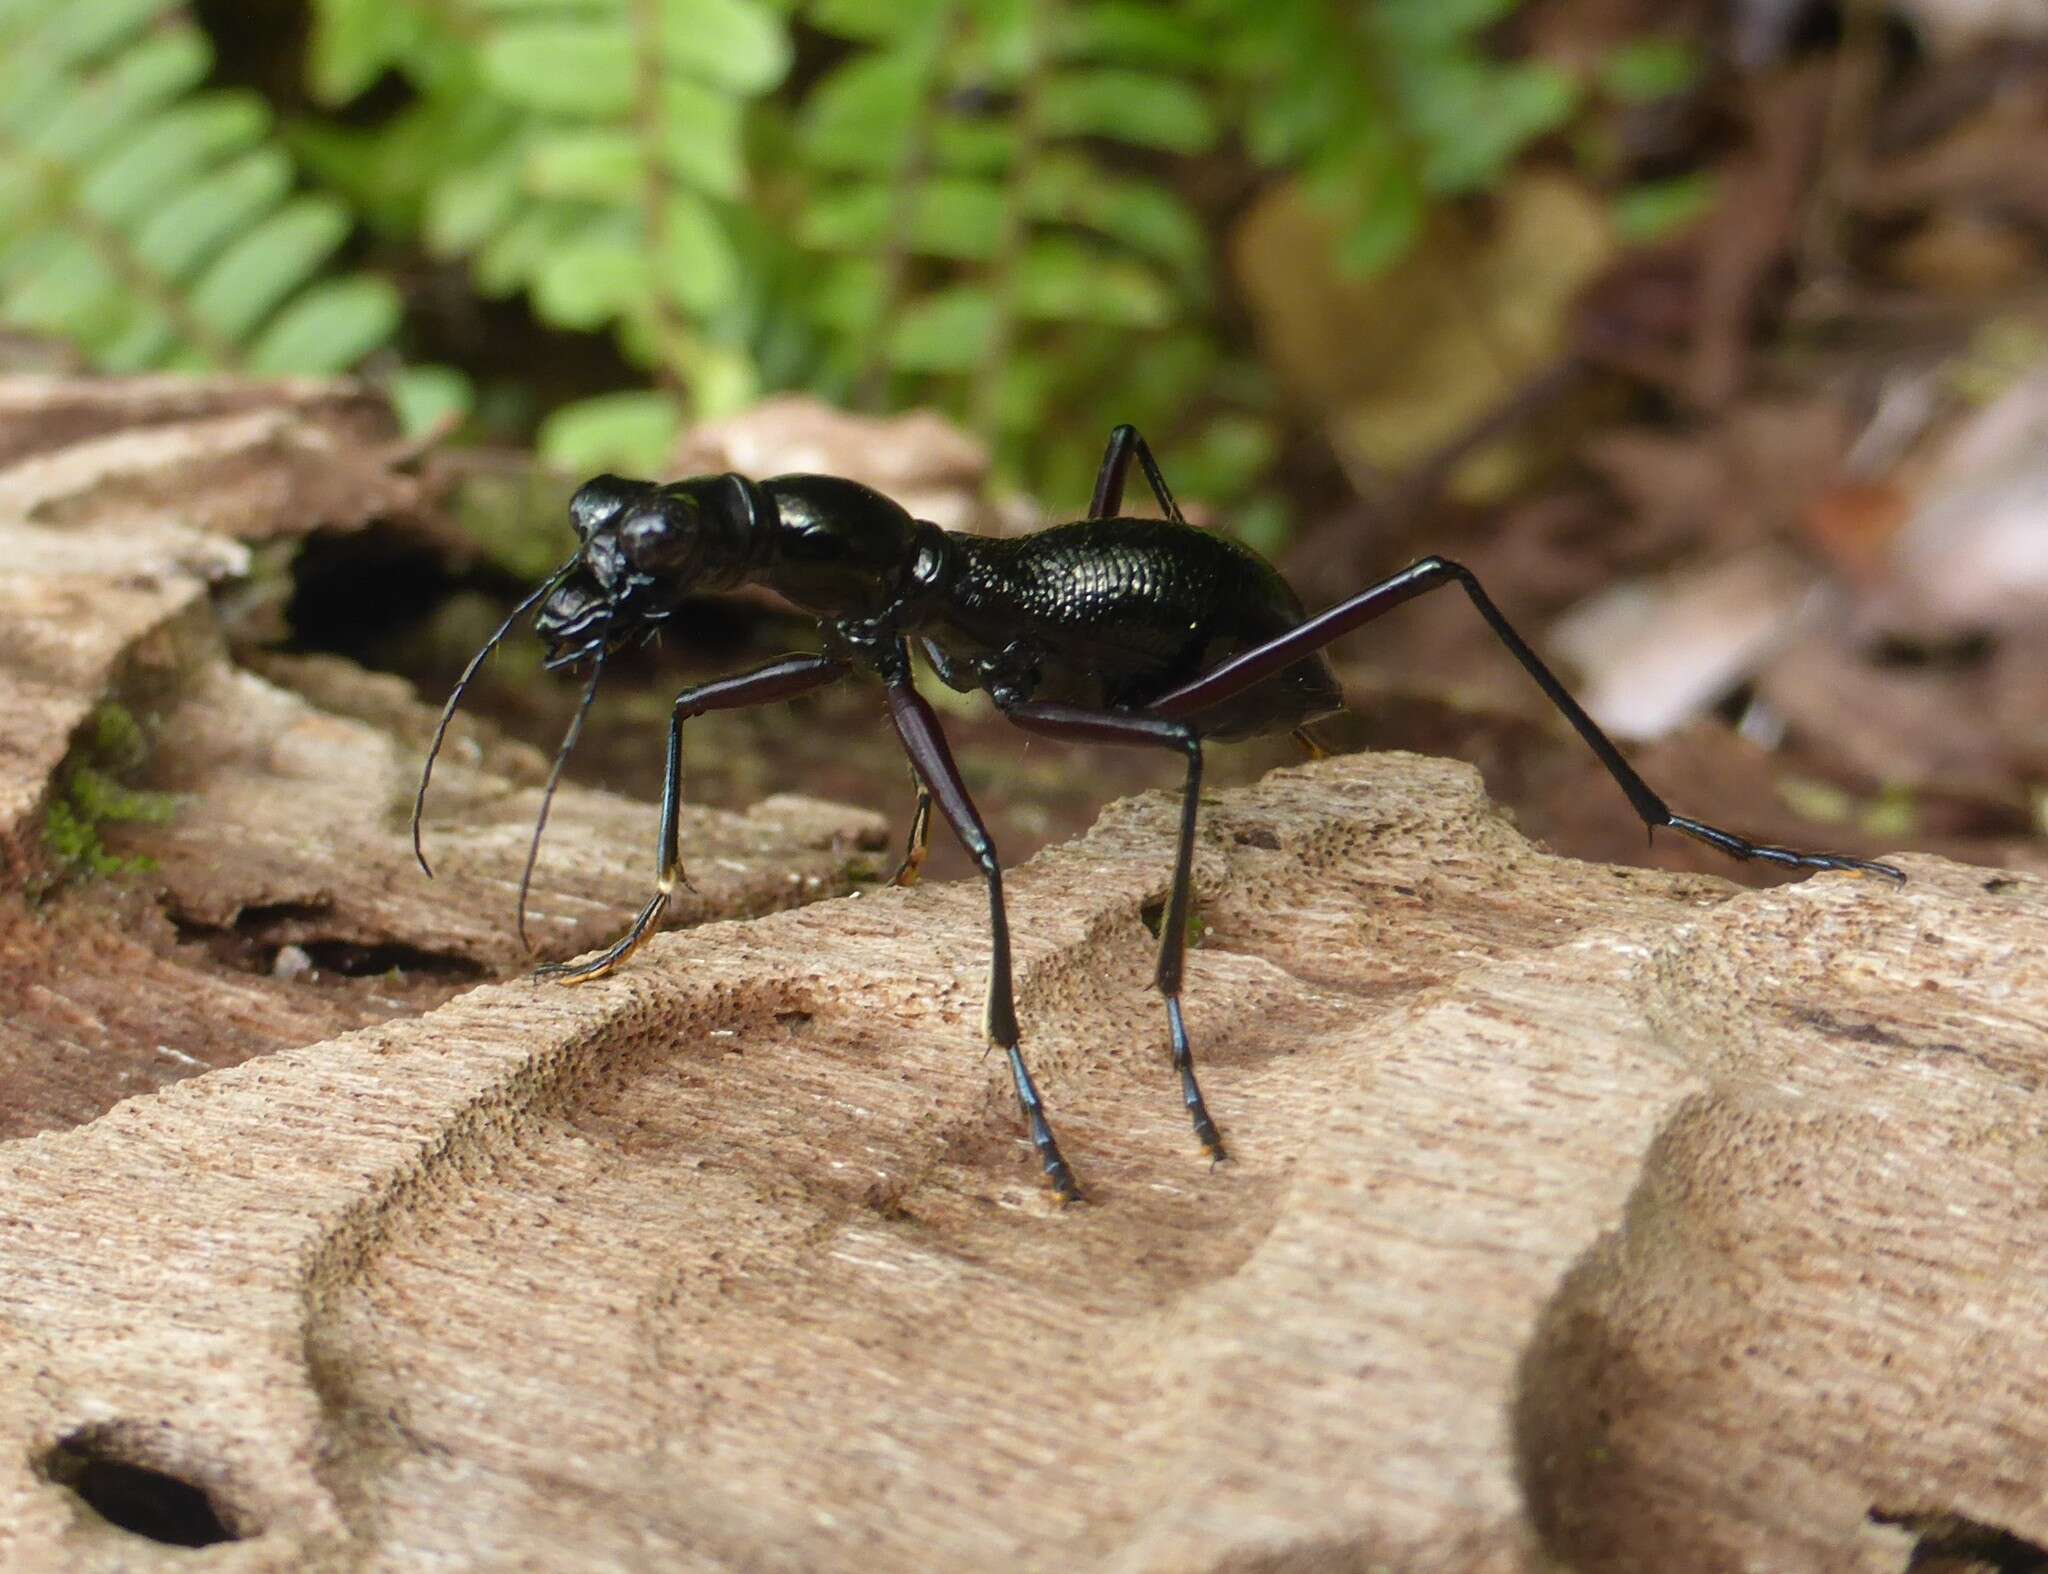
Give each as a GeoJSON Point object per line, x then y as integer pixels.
{"type": "Point", "coordinates": [1011, 210]}
{"type": "Point", "coordinates": [1712, 333]}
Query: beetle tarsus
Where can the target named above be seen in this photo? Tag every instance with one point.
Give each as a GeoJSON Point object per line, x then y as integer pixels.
{"type": "Point", "coordinates": [915, 847]}
{"type": "Point", "coordinates": [1059, 1177]}
{"type": "Point", "coordinates": [1790, 857]}
{"type": "Point", "coordinates": [617, 952]}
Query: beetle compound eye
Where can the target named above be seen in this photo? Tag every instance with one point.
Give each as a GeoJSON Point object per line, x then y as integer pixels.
{"type": "Point", "coordinates": [598, 501]}
{"type": "Point", "coordinates": [662, 540]}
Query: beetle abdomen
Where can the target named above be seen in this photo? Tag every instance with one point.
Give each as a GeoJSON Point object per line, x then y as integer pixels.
{"type": "Point", "coordinates": [1119, 611]}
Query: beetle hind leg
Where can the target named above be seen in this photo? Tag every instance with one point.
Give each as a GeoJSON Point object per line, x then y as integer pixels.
{"type": "Point", "coordinates": [1248, 668]}
{"type": "Point", "coordinates": [1173, 948]}
{"type": "Point", "coordinates": [1125, 445]}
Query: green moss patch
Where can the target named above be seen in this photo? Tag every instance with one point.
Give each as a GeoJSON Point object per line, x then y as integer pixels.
{"type": "Point", "coordinates": [90, 794]}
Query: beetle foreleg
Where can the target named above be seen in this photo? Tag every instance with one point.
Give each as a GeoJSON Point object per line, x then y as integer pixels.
{"type": "Point", "coordinates": [779, 680]}
{"type": "Point", "coordinates": [920, 839]}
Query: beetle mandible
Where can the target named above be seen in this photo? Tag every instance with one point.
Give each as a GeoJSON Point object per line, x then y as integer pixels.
{"type": "Point", "coordinates": [1110, 629]}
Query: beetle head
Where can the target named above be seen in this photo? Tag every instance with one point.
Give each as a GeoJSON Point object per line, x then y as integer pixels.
{"type": "Point", "coordinates": [643, 547]}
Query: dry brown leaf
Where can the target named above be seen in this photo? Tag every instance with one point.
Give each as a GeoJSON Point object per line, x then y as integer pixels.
{"type": "Point", "coordinates": [1656, 654]}
{"type": "Point", "coordinates": [1403, 363]}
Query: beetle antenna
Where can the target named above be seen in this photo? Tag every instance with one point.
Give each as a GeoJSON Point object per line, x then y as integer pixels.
{"type": "Point", "coordinates": [547, 796]}
{"type": "Point", "coordinates": [419, 802]}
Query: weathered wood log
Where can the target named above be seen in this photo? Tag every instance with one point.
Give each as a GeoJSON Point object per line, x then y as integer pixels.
{"type": "Point", "coordinates": [1578, 1216]}
{"type": "Point", "coordinates": [1579, 1207]}
{"type": "Point", "coordinates": [125, 508]}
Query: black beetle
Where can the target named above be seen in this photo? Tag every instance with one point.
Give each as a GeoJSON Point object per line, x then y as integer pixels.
{"type": "Point", "coordinates": [1109, 629]}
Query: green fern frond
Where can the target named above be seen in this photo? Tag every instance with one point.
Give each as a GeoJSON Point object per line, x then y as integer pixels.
{"type": "Point", "coordinates": [1384, 108]}
{"type": "Point", "coordinates": [588, 155]}
{"type": "Point", "coordinates": [984, 174]}
{"type": "Point", "coordinates": [151, 223]}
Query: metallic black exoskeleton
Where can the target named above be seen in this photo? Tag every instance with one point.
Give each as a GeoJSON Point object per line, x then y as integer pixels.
{"type": "Point", "coordinates": [1117, 630]}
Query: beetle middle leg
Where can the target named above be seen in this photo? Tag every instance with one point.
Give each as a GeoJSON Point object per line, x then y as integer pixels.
{"type": "Point", "coordinates": [778, 680]}
{"type": "Point", "coordinates": [918, 726]}
{"type": "Point", "coordinates": [1124, 444]}
{"type": "Point", "coordinates": [1249, 667]}
{"type": "Point", "coordinates": [1081, 725]}
{"type": "Point", "coordinates": [920, 839]}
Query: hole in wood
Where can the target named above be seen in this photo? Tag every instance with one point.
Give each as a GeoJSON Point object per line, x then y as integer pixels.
{"type": "Point", "coordinates": [1950, 1542]}
{"type": "Point", "coordinates": [143, 1501]}
{"type": "Point", "coordinates": [252, 944]}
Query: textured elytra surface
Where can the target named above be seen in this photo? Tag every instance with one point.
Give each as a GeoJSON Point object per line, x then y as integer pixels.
{"type": "Point", "coordinates": [1072, 582]}
{"type": "Point", "coordinates": [1575, 1212]}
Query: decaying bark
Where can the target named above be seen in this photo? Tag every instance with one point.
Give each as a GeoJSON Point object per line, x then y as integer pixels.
{"type": "Point", "coordinates": [1576, 1214]}
{"type": "Point", "coordinates": [126, 509]}
{"type": "Point", "coordinates": [1714, 1225]}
